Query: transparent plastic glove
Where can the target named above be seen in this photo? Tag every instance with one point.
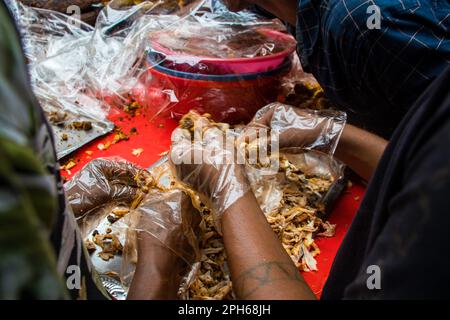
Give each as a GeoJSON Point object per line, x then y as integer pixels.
{"type": "Point", "coordinates": [300, 128]}
{"type": "Point", "coordinates": [208, 165]}
{"type": "Point", "coordinates": [237, 5]}
{"type": "Point", "coordinates": [102, 181]}
{"type": "Point", "coordinates": [171, 218]}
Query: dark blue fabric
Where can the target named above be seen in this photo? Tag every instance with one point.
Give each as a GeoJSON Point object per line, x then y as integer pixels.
{"type": "Point", "coordinates": [374, 75]}
{"type": "Point", "coordinates": [403, 222]}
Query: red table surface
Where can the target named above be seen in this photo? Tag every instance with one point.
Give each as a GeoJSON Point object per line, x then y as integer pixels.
{"type": "Point", "coordinates": [154, 138]}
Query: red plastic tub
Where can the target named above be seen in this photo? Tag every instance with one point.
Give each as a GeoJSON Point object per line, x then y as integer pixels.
{"type": "Point", "coordinates": [231, 65]}
{"type": "Point", "coordinates": [228, 98]}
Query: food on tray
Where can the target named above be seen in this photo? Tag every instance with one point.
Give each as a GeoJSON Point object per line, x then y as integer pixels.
{"type": "Point", "coordinates": [57, 117]}
{"type": "Point", "coordinates": [291, 200]}
{"type": "Point", "coordinates": [81, 125]}
{"type": "Point", "coordinates": [90, 246]}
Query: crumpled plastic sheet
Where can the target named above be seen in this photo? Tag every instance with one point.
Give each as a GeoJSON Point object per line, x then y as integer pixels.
{"type": "Point", "coordinates": [75, 68]}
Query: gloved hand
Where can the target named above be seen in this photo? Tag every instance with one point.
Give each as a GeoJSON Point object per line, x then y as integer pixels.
{"type": "Point", "coordinates": [205, 160]}
{"type": "Point", "coordinates": [299, 128]}
{"type": "Point", "coordinates": [103, 181]}
{"type": "Point", "coordinates": [237, 5]}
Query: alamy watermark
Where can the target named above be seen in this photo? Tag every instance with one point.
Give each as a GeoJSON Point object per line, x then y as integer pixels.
{"type": "Point", "coordinates": [73, 279]}
{"type": "Point", "coordinates": [373, 281]}
{"type": "Point", "coordinates": [374, 19]}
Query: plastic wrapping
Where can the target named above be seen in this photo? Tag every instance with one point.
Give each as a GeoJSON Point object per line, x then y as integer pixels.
{"type": "Point", "coordinates": [118, 206]}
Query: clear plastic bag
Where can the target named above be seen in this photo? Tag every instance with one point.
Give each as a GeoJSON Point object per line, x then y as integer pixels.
{"type": "Point", "coordinates": [151, 54]}
{"type": "Point", "coordinates": [81, 73]}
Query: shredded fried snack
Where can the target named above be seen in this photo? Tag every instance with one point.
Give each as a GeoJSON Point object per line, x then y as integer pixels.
{"type": "Point", "coordinates": [308, 96]}
{"type": "Point", "coordinates": [90, 246]}
{"type": "Point", "coordinates": [137, 152]}
{"type": "Point", "coordinates": [295, 221]}
{"type": "Point", "coordinates": [71, 163]}
{"type": "Point", "coordinates": [212, 280]}
{"type": "Point", "coordinates": [110, 245]}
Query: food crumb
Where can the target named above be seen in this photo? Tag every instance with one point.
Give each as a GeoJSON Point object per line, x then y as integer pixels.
{"type": "Point", "coordinates": [69, 165]}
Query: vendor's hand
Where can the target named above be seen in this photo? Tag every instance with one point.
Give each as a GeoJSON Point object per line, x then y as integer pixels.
{"type": "Point", "coordinates": [100, 182]}
{"type": "Point", "coordinates": [237, 5]}
{"type": "Point", "coordinates": [299, 128]}
{"type": "Point", "coordinates": [208, 165]}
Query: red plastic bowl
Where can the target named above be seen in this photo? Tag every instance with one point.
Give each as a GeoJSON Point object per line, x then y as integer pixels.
{"type": "Point", "coordinates": [230, 98]}
{"type": "Point", "coordinates": [232, 65]}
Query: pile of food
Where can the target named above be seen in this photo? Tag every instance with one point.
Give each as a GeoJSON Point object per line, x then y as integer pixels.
{"type": "Point", "coordinates": [308, 95]}
{"type": "Point", "coordinates": [209, 278]}
{"type": "Point", "coordinates": [296, 220]}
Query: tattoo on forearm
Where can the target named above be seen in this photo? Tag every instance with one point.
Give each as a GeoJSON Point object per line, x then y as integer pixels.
{"type": "Point", "coordinates": [264, 274]}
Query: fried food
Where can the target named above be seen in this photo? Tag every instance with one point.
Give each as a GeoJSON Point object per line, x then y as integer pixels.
{"type": "Point", "coordinates": [90, 246]}
{"type": "Point", "coordinates": [308, 96]}
{"type": "Point", "coordinates": [81, 125]}
{"type": "Point", "coordinates": [110, 245]}
{"type": "Point", "coordinates": [295, 220]}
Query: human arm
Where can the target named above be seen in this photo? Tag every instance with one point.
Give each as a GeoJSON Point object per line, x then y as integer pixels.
{"type": "Point", "coordinates": [260, 267]}
{"type": "Point", "coordinates": [360, 150]}
{"type": "Point", "coordinates": [286, 10]}
{"type": "Point", "coordinates": [28, 204]}
{"type": "Point", "coordinates": [154, 276]}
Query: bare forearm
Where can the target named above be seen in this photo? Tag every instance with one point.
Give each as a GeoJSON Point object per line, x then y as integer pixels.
{"type": "Point", "coordinates": [260, 267]}
{"type": "Point", "coordinates": [360, 150]}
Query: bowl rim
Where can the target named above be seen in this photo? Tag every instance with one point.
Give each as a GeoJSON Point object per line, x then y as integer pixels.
{"type": "Point", "coordinates": [285, 53]}
{"type": "Point", "coordinates": [285, 66]}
